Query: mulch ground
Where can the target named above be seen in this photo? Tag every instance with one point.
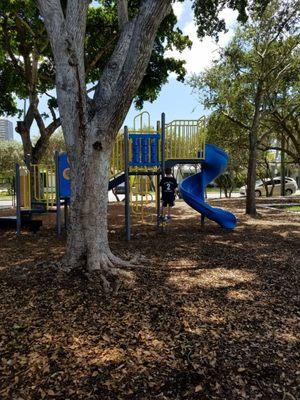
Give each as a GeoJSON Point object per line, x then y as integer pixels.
{"type": "Point", "coordinates": [214, 314]}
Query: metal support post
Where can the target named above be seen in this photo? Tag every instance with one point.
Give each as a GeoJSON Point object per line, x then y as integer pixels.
{"type": "Point", "coordinates": [163, 143]}
{"type": "Point", "coordinates": [202, 221]}
{"type": "Point", "coordinates": [282, 172]}
{"type": "Point", "coordinates": [57, 190]}
{"type": "Point", "coordinates": [127, 184]}
{"type": "Point", "coordinates": [18, 199]}
{"type": "Point", "coordinates": [66, 215]}
{"type": "Point", "coordinates": [157, 186]}
{"type": "Point", "coordinates": [163, 151]}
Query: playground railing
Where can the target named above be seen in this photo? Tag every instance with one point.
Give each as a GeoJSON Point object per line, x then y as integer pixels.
{"type": "Point", "coordinates": [37, 185]}
{"type": "Point", "coordinates": [117, 164]}
{"type": "Point", "coordinates": [25, 192]}
{"type": "Point", "coordinates": [185, 139]}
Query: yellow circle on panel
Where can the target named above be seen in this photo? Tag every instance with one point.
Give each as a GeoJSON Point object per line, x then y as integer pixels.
{"type": "Point", "coordinates": [66, 174]}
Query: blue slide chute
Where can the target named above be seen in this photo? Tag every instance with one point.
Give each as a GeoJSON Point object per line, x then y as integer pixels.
{"type": "Point", "coordinates": [192, 189]}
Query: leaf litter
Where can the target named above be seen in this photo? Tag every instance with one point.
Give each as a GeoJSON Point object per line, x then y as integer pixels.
{"type": "Point", "coordinates": [211, 315]}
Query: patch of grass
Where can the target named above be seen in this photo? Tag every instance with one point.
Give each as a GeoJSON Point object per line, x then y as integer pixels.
{"type": "Point", "coordinates": [293, 208]}
{"type": "Point", "coordinates": [4, 196]}
{"type": "Point", "coordinates": [217, 190]}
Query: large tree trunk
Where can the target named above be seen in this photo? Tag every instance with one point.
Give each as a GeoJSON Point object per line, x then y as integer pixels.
{"type": "Point", "coordinates": [90, 125]}
{"type": "Point", "coordinates": [87, 236]}
{"type": "Point", "coordinates": [87, 242]}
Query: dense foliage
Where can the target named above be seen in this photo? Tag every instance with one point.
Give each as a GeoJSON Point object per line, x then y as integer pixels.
{"type": "Point", "coordinates": [255, 85]}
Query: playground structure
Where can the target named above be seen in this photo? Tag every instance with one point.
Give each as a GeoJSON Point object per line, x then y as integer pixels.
{"type": "Point", "coordinates": [139, 158]}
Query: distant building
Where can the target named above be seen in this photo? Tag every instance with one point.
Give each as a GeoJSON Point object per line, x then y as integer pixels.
{"type": "Point", "coordinates": [6, 130]}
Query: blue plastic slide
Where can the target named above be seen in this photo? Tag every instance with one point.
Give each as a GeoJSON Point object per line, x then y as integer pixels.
{"type": "Point", "coordinates": [192, 189]}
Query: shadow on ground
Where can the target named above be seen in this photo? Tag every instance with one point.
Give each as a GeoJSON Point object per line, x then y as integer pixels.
{"type": "Point", "coordinates": [212, 316]}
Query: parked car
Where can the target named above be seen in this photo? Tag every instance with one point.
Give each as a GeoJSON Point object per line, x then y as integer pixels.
{"type": "Point", "coordinates": [260, 190]}
{"type": "Point", "coordinates": [120, 189]}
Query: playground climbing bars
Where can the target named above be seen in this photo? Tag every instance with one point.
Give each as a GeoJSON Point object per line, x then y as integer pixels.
{"type": "Point", "coordinates": [139, 153]}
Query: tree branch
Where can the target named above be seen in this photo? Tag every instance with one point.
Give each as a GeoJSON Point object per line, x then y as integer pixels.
{"type": "Point", "coordinates": [282, 121]}
{"type": "Point", "coordinates": [98, 56]}
{"type": "Point", "coordinates": [122, 13]}
{"type": "Point", "coordinates": [40, 122]}
{"type": "Point", "coordinates": [52, 113]}
{"type": "Point", "coordinates": [67, 35]}
{"type": "Point", "coordinates": [29, 117]}
{"type": "Point", "coordinates": [127, 65]}
{"type": "Point", "coordinates": [53, 126]}
{"type": "Point", "coordinates": [76, 26]}
{"type": "Point", "coordinates": [24, 24]}
{"type": "Point", "coordinates": [294, 156]}
{"type": "Point", "coordinates": [8, 48]}
{"type": "Point", "coordinates": [236, 121]}
{"type": "Point", "coordinates": [43, 140]}
{"type": "Point", "coordinates": [52, 13]}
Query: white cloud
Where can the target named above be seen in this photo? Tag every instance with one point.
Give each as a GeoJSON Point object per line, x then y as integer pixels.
{"type": "Point", "coordinates": [204, 51]}
{"type": "Point", "coordinates": [178, 8]}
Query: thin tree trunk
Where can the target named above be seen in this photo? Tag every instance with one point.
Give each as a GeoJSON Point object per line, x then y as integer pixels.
{"type": "Point", "coordinates": [252, 161]}
{"type": "Point", "coordinates": [282, 166]}
{"type": "Point", "coordinates": [251, 177]}
{"type": "Point", "coordinates": [26, 141]}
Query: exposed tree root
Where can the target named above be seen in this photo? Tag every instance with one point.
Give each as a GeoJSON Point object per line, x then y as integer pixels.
{"type": "Point", "coordinates": [110, 273]}
{"type": "Point", "coordinates": [109, 268]}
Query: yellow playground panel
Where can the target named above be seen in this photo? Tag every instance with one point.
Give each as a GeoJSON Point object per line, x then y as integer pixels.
{"type": "Point", "coordinates": [37, 185]}
{"type": "Point", "coordinates": [142, 194]}
{"type": "Point", "coordinates": [143, 188]}
{"type": "Point", "coordinates": [25, 193]}
{"type": "Point", "coordinates": [44, 188]}
{"type": "Point", "coordinates": [117, 163]}
{"type": "Point", "coordinates": [185, 139]}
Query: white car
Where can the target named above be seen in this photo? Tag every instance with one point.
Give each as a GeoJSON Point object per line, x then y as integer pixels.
{"type": "Point", "coordinates": [260, 190]}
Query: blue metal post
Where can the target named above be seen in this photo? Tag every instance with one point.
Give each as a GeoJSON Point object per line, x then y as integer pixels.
{"type": "Point", "coordinates": [154, 143]}
{"type": "Point", "coordinates": [145, 151]}
{"type": "Point", "coordinates": [157, 180]}
{"type": "Point", "coordinates": [127, 184]}
{"type": "Point", "coordinates": [135, 149]}
{"type": "Point", "coordinates": [163, 143]}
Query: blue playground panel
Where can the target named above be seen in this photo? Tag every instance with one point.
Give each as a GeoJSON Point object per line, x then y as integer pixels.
{"type": "Point", "coordinates": [144, 150]}
{"type": "Point", "coordinates": [64, 176]}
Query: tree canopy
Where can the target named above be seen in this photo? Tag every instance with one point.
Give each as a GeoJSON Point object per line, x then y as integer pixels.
{"type": "Point", "coordinates": [28, 70]}
{"type": "Point", "coordinates": [26, 59]}
{"type": "Point", "coordinates": [255, 82]}
{"type": "Point", "coordinates": [10, 154]}
{"type": "Point", "coordinates": [144, 29]}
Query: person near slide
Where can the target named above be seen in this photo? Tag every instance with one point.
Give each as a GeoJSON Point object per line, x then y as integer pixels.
{"type": "Point", "coordinates": [168, 186]}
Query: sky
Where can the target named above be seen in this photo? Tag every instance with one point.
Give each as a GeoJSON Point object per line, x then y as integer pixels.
{"type": "Point", "coordinates": [176, 99]}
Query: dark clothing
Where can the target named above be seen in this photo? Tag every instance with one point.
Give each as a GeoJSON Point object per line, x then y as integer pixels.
{"type": "Point", "coordinates": [168, 200]}
{"type": "Point", "coordinates": [168, 185]}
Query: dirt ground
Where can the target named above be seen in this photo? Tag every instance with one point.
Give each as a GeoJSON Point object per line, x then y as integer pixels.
{"type": "Point", "coordinates": [213, 315]}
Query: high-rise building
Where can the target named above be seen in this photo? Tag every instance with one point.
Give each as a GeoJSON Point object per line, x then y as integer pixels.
{"type": "Point", "coordinates": [6, 129]}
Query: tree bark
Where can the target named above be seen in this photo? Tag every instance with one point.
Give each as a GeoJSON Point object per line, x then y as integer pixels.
{"type": "Point", "coordinates": [24, 132]}
{"type": "Point", "coordinates": [87, 241]}
{"type": "Point", "coordinates": [91, 125]}
{"type": "Point", "coordinates": [251, 176]}
{"type": "Point", "coordinates": [252, 161]}
{"type": "Point", "coordinates": [88, 212]}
